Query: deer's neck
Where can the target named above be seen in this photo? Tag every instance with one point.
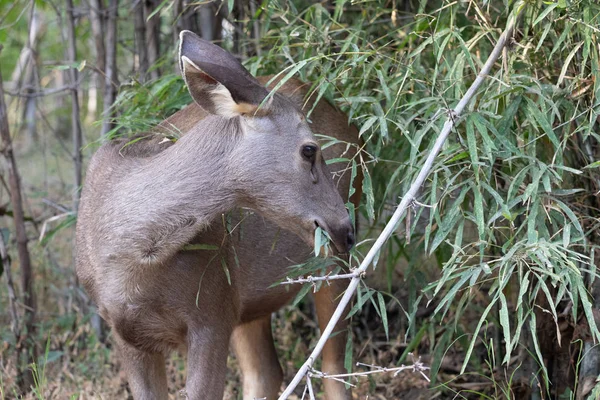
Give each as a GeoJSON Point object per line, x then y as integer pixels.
{"type": "Point", "coordinates": [178, 192]}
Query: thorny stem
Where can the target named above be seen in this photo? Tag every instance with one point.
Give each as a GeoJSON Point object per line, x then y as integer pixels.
{"type": "Point", "coordinates": [313, 279]}
{"type": "Point", "coordinates": [417, 366]}
{"type": "Point", "coordinates": [407, 200]}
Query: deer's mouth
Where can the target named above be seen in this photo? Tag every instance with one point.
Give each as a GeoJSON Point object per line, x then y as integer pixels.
{"type": "Point", "coordinates": [342, 235]}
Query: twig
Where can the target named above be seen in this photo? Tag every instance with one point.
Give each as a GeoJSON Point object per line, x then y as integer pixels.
{"type": "Point", "coordinates": [311, 393]}
{"type": "Point", "coordinates": [52, 219]}
{"type": "Point", "coordinates": [417, 366]}
{"type": "Point", "coordinates": [406, 201]}
{"type": "Point", "coordinates": [59, 207]}
{"type": "Point", "coordinates": [313, 279]}
{"type": "Point", "coordinates": [43, 93]}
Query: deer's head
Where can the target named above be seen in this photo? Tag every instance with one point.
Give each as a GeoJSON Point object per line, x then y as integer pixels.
{"type": "Point", "coordinates": [276, 164]}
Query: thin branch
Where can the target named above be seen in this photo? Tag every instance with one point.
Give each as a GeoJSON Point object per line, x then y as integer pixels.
{"type": "Point", "coordinates": [59, 207]}
{"type": "Point", "coordinates": [417, 366]}
{"type": "Point", "coordinates": [43, 93]}
{"type": "Point", "coordinates": [390, 228]}
{"type": "Point", "coordinates": [313, 279]}
{"type": "Point", "coordinates": [27, 276]}
{"type": "Point", "coordinates": [311, 393]}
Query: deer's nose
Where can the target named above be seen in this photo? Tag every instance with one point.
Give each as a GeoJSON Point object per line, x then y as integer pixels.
{"type": "Point", "coordinates": [350, 240]}
{"type": "Point", "coordinates": [341, 234]}
{"type": "Point", "coordinates": [344, 237]}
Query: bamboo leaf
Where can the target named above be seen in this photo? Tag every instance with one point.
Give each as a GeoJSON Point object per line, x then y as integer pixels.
{"type": "Point", "coordinates": [505, 323]}
{"type": "Point", "coordinates": [474, 338]}
{"type": "Point", "coordinates": [368, 191]}
{"type": "Point", "coordinates": [544, 13]}
{"type": "Point", "coordinates": [383, 313]}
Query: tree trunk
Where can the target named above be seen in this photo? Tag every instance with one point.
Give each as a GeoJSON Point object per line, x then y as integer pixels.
{"type": "Point", "coordinates": [26, 340]}
{"type": "Point", "coordinates": [96, 21]}
{"type": "Point", "coordinates": [185, 16]}
{"type": "Point", "coordinates": [75, 122]}
{"type": "Point", "coordinates": [211, 21]}
{"type": "Point", "coordinates": [111, 79]}
{"type": "Point", "coordinates": [25, 75]}
{"type": "Point", "coordinates": [140, 39]}
{"type": "Point", "coordinates": [177, 8]}
{"type": "Point", "coordinates": [152, 36]}
{"type": "Point", "coordinates": [255, 29]}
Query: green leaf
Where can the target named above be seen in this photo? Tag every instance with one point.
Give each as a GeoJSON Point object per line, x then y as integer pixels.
{"type": "Point", "coordinates": [543, 122]}
{"type": "Point", "coordinates": [566, 64]}
{"type": "Point", "coordinates": [505, 323]}
{"type": "Point", "coordinates": [449, 221]}
{"type": "Point", "coordinates": [588, 309]}
{"type": "Point", "coordinates": [571, 215]}
{"type": "Point", "coordinates": [353, 175]}
{"type": "Point", "coordinates": [361, 300]}
{"type": "Point", "coordinates": [348, 354]}
{"type": "Point", "coordinates": [533, 336]}
{"type": "Point", "coordinates": [226, 270]}
{"type": "Point", "coordinates": [303, 292]}
{"type": "Point", "coordinates": [368, 123]}
{"type": "Point", "coordinates": [595, 164]}
{"type": "Point", "coordinates": [318, 238]}
{"type": "Point", "coordinates": [532, 234]}
{"type": "Point", "coordinates": [475, 335]}
{"type": "Point", "coordinates": [159, 8]}
{"type": "Point", "coordinates": [472, 144]}
{"type": "Point", "coordinates": [383, 313]}
{"type": "Point", "coordinates": [368, 191]}
{"type": "Point", "coordinates": [478, 208]}
{"type": "Point", "coordinates": [544, 13]}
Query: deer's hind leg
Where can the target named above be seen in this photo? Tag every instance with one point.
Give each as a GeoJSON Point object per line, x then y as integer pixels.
{"type": "Point", "coordinates": [145, 371]}
{"type": "Point", "coordinates": [255, 351]}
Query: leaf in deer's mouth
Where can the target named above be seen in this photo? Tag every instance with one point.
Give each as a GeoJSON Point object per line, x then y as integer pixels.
{"type": "Point", "coordinates": [321, 240]}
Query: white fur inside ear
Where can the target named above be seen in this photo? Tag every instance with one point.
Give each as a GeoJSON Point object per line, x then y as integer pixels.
{"type": "Point", "coordinates": [187, 63]}
{"type": "Point", "coordinates": [225, 106]}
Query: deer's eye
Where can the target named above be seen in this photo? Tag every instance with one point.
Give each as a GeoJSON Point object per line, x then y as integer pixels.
{"type": "Point", "coordinates": [309, 151]}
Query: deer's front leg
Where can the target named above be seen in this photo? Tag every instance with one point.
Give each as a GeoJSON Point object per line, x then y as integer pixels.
{"type": "Point", "coordinates": [145, 371]}
{"type": "Point", "coordinates": [255, 351]}
{"type": "Point", "coordinates": [326, 301]}
{"type": "Point", "coordinates": [207, 362]}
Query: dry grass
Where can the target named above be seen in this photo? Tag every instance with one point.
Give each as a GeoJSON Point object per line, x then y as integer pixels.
{"type": "Point", "coordinates": [83, 368]}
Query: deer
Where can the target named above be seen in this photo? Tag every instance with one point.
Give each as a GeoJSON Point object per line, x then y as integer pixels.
{"type": "Point", "coordinates": [147, 202]}
{"type": "Point", "coordinates": [252, 340]}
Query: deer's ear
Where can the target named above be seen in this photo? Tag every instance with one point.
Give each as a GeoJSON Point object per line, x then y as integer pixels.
{"type": "Point", "coordinates": [216, 80]}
